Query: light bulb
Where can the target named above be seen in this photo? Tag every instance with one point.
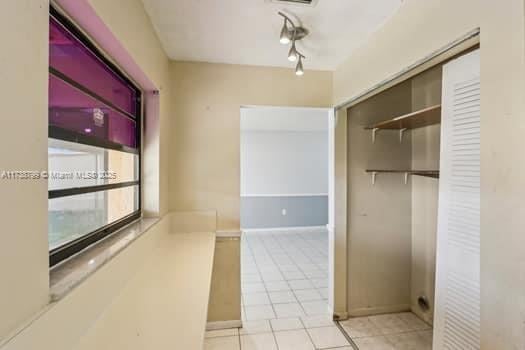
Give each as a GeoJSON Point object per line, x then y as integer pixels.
{"type": "Point", "coordinates": [292, 55]}
{"type": "Point", "coordinates": [299, 70]}
{"type": "Point", "coordinates": [285, 34]}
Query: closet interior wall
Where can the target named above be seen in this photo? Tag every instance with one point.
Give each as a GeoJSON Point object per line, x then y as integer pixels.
{"type": "Point", "coordinates": [426, 92]}
{"type": "Point", "coordinates": [392, 225]}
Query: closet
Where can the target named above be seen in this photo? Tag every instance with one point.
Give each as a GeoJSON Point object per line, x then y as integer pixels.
{"type": "Point", "coordinates": [413, 201]}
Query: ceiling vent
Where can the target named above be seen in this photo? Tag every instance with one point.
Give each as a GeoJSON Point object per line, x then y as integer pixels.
{"type": "Point", "coordinates": [309, 3]}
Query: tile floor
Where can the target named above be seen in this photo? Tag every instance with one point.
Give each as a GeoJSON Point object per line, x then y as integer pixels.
{"type": "Point", "coordinates": [284, 302]}
{"type": "Point", "coordinates": [392, 331]}
{"type": "Point", "coordinates": [284, 274]}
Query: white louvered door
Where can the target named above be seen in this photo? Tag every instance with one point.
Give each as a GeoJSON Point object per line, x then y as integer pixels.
{"type": "Point", "coordinates": [457, 309]}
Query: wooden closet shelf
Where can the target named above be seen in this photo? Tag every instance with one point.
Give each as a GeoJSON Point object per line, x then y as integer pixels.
{"type": "Point", "coordinates": [418, 119]}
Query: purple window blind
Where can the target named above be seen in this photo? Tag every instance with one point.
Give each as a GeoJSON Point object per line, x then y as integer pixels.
{"type": "Point", "coordinates": [69, 56]}
{"type": "Point", "coordinates": [71, 109]}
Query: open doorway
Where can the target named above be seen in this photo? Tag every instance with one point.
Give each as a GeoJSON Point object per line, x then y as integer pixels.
{"type": "Point", "coordinates": [285, 186]}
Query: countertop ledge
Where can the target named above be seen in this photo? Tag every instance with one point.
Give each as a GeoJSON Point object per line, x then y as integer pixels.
{"type": "Point", "coordinates": [67, 275]}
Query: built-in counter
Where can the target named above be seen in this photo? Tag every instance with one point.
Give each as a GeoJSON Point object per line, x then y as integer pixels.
{"type": "Point", "coordinates": [151, 295]}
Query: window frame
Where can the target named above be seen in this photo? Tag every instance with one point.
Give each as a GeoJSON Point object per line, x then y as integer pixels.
{"type": "Point", "coordinates": [67, 250]}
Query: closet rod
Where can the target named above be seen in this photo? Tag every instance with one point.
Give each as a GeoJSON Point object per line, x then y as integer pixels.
{"type": "Point", "coordinates": [406, 72]}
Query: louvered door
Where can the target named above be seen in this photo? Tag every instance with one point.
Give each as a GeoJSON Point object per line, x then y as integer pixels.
{"type": "Point", "coordinates": [457, 315]}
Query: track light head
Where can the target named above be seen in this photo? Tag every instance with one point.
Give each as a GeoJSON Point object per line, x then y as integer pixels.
{"type": "Point", "coordinates": [286, 34]}
{"type": "Point", "coordinates": [292, 35]}
{"type": "Point", "coordinates": [293, 54]}
{"type": "Point", "coordinates": [299, 70]}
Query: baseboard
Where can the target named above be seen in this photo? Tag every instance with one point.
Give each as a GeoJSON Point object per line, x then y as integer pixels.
{"type": "Point", "coordinates": [340, 316]}
{"type": "Point", "coordinates": [292, 229]}
{"type": "Point", "coordinates": [378, 310]}
{"type": "Point", "coordinates": [228, 234]}
{"type": "Point", "coordinates": [212, 326]}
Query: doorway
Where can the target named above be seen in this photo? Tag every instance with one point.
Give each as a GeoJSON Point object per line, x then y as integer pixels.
{"type": "Point", "coordinates": [285, 214]}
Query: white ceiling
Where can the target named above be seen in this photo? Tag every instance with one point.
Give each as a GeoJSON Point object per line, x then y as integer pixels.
{"type": "Point", "coordinates": [284, 119]}
{"type": "Point", "coordinates": [247, 31]}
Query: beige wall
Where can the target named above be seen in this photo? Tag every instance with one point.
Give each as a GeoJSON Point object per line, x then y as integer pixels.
{"type": "Point", "coordinates": [419, 28]}
{"type": "Point", "coordinates": [426, 92]}
{"type": "Point", "coordinates": [23, 146]}
{"type": "Point", "coordinates": [225, 293]}
{"type": "Point", "coordinates": [205, 130]}
{"type": "Point", "coordinates": [23, 244]}
{"type": "Point", "coordinates": [379, 216]}
{"type": "Point", "coordinates": [416, 30]}
{"type": "Point", "coordinates": [502, 175]}
{"type": "Point", "coordinates": [133, 28]}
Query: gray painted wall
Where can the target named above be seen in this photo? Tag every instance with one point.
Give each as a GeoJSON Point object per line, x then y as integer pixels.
{"type": "Point", "coordinates": [266, 212]}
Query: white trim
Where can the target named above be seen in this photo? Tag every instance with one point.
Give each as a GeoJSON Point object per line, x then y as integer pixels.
{"type": "Point", "coordinates": [228, 234]}
{"type": "Point", "coordinates": [286, 195]}
{"type": "Point", "coordinates": [212, 326]}
{"type": "Point", "coordinates": [291, 229]}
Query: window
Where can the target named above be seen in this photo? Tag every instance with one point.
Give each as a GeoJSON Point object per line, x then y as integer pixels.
{"type": "Point", "coordinates": [94, 143]}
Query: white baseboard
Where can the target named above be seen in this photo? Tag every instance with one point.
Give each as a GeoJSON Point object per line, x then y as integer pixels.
{"type": "Point", "coordinates": [212, 326]}
{"type": "Point", "coordinates": [291, 229]}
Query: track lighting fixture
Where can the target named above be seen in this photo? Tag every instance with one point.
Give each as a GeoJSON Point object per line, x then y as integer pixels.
{"type": "Point", "coordinates": [292, 54]}
{"type": "Point", "coordinates": [292, 35]}
{"type": "Point", "coordinates": [286, 34]}
{"type": "Point", "coordinates": [299, 70]}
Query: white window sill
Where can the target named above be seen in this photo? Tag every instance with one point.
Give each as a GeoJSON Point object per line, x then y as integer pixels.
{"type": "Point", "coordinates": [65, 276]}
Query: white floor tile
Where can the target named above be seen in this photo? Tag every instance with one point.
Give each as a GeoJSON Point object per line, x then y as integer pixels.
{"type": "Point", "coordinates": [320, 282]}
{"type": "Point", "coordinates": [408, 341]}
{"type": "Point", "coordinates": [259, 312]}
{"type": "Point", "coordinates": [251, 299]}
{"type": "Point", "coordinates": [373, 343]}
{"type": "Point", "coordinates": [253, 288]}
{"type": "Point", "coordinates": [327, 337]}
{"type": "Point", "coordinates": [274, 277]}
{"type": "Point", "coordinates": [293, 275]}
{"type": "Point", "coordinates": [318, 307]}
{"type": "Point", "coordinates": [413, 322]}
{"type": "Point", "coordinates": [301, 284]}
{"type": "Point", "coordinates": [307, 295]}
{"type": "Point", "coordinates": [289, 271]}
{"type": "Point", "coordinates": [389, 324]}
{"type": "Point", "coordinates": [324, 292]}
{"type": "Point", "coordinates": [255, 327]}
{"type": "Point", "coordinates": [317, 321]}
{"type": "Point", "coordinates": [277, 286]}
{"type": "Point", "coordinates": [316, 274]}
{"type": "Point", "coordinates": [289, 268]}
{"type": "Point", "coordinates": [360, 327]}
{"type": "Point", "coordinates": [294, 340]}
{"type": "Point", "coordinates": [288, 310]}
{"type": "Point", "coordinates": [286, 324]}
{"type": "Point", "coordinates": [282, 297]}
{"type": "Point", "coordinates": [264, 341]}
{"type": "Point", "coordinates": [222, 343]}
{"type": "Point", "coordinates": [250, 278]}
